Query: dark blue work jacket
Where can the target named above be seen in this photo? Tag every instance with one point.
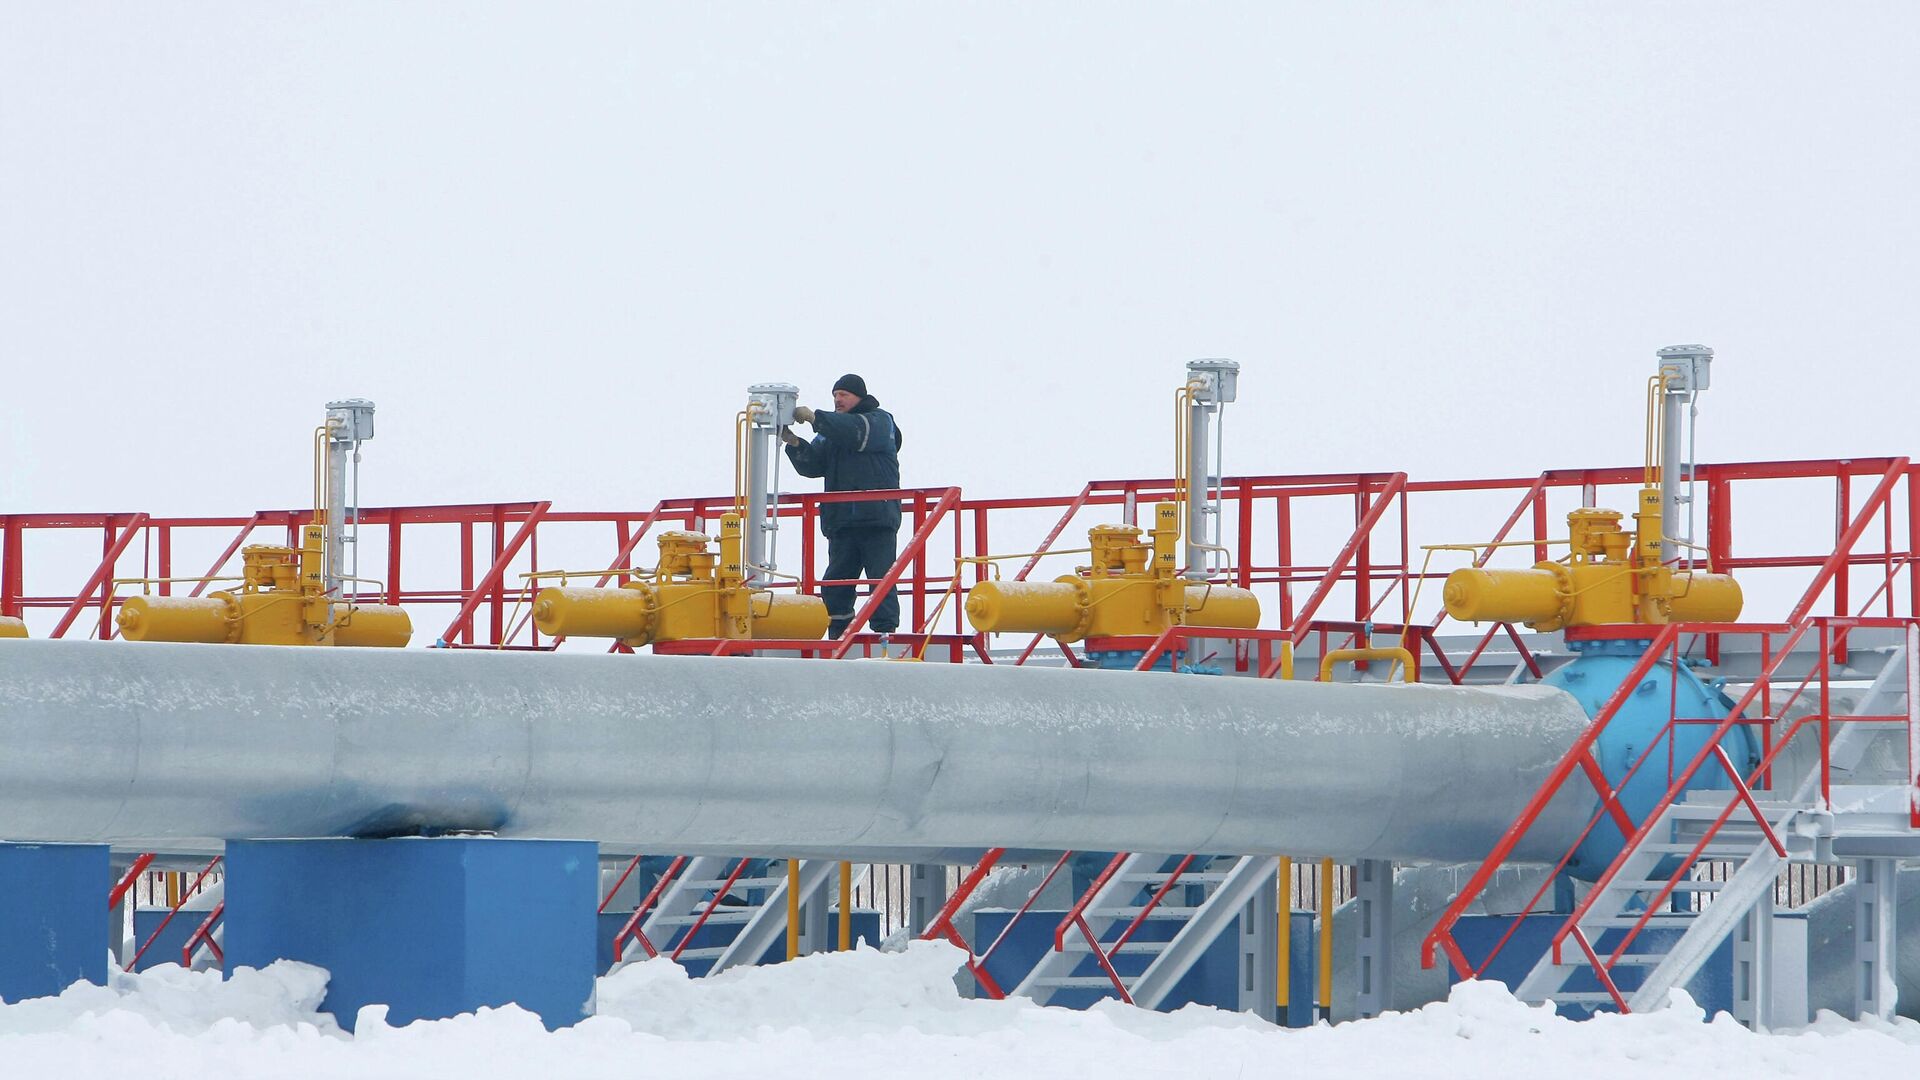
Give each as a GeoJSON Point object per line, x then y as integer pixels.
{"type": "Point", "coordinates": [854, 451]}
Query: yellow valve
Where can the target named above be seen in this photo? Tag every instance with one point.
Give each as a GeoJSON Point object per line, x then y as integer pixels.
{"type": "Point", "coordinates": [1131, 589]}
{"type": "Point", "coordinates": [264, 617]}
{"type": "Point", "coordinates": [692, 595]}
{"type": "Point", "coordinates": [1599, 585]}
{"type": "Point", "coordinates": [1072, 608]}
{"type": "Point", "coordinates": [11, 627]}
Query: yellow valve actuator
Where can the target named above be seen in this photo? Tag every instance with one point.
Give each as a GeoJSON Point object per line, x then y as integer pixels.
{"type": "Point", "coordinates": [640, 614]}
{"type": "Point", "coordinates": [267, 617]}
{"type": "Point", "coordinates": [1072, 608]}
{"type": "Point", "coordinates": [11, 627]}
{"type": "Point", "coordinates": [1552, 596]}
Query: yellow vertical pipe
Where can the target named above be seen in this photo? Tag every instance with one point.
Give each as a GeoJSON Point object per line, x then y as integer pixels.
{"type": "Point", "coordinates": [1326, 937]}
{"type": "Point", "coordinates": [846, 906]}
{"type": "Point", "coordinates": [1285, 946]}
{"type": "Point", "coordinates": [793, 909]}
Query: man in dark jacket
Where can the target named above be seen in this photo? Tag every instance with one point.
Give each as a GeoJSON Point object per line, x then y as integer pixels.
{"type": "Point", "coordinates": [856, 447]}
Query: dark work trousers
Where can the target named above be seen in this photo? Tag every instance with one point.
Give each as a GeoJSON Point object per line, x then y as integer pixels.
{"type": "Point", "coordinates": [860, 553]}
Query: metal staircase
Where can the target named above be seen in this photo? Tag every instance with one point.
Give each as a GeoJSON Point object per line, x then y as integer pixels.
{"type": "Point", "coordinates": [1102, 928]}
{"type": "Point", "coordinates": [695, 894]}
{"type": "Point", "coordinates": [1819, 822]}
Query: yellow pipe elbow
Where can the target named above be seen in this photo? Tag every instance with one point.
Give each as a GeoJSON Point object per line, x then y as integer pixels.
{"type": "Point", "coordinates": [1395, 652]}
{"type": "Point", "coordinates": [11, 627]}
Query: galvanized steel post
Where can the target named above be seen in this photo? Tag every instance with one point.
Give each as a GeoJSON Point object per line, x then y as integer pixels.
{"type": "Point", "coordinates": [769, 411]}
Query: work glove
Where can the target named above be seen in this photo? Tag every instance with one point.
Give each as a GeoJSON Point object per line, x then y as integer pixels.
{"type": "Point", "coordinates": [787, 436]}
{"type": "Point", "coordinates": [803, 414]}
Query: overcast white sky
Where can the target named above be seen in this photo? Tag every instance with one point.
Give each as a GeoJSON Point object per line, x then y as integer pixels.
{"type": "Point", "coordinates": [555, 241]}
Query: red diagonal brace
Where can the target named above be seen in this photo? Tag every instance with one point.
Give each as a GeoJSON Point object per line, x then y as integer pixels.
{"type": "Point", "coordinates": [493, 576]}
{"type": "Point", "coordinates": [102, 574]}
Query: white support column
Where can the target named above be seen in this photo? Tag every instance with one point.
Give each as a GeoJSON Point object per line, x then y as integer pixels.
{"type": "Point", "coordinates": [1874, 913]}
{"type": "Point", "coordinates": [1259, 952]}
{"type": "Point", "coordinates": [1373, 953]}
{"type": "Point", "coordinates": [1753, 963]}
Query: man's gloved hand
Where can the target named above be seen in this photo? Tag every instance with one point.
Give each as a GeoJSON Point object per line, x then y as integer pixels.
{"type": "Point", "coordinates": [787, 436]}
{"type": "Point", "coordinates": [803, 414]}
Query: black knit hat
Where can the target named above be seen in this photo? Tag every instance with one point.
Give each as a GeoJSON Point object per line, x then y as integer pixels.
{"type": "Point", "coordinates": [852, 384]}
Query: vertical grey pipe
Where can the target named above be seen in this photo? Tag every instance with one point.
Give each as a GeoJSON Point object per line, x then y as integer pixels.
{"type": "Point", "coordinates": [1685, 367]}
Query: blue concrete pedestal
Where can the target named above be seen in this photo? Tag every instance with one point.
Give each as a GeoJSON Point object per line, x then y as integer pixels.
{"type": "Point", "coordinates": [54, 920]}
{"type": "Point", "coordinates": [430, 928]}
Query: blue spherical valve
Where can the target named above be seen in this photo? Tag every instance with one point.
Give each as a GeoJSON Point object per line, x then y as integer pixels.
{"type": "Point", "coordinates": [1662, 694]}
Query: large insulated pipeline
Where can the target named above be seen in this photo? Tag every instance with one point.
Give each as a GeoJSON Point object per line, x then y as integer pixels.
{"type": "Point", "coordinates": [178, 747]}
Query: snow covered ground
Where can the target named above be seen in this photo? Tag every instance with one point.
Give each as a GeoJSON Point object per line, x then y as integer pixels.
{"type": "Point", "coordinates": [873, 1014]}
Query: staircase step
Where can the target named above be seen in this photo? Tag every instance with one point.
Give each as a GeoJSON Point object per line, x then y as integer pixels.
{"type": "Point", "coordinates": [716, 884]}
{"type": "Point", "coordinates": [1626, 921]}
{"type": "Point", "coordinates": [1076, 982]}
{"type": "Point", "coordinates": [1637, 959]}
{"type": "Point", "coordinates": [1714, 852]}
{"type": "Point", "coordinates": [712, 953]}
{"type": "Point", "coordinates": [1161, 911]}
{"type": "Point", "coordinates": [726, 916]}
{"type": "Point", "coordinates": [1078, 944]}
{"type": "Point", "coordinates": [1191, 877]}
{"type": "Point", "coordinates": [1684, 886]}
{"type": "Point", "coordinates": [1582, 997]}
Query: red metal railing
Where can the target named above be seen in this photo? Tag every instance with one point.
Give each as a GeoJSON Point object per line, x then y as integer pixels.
{"type": "Point", "coordinates": [942, 928]}
{"type": "Point", "coordinates": [632, 927]}
{"type": "Point", "coordinates": [128, 880]}
{"type": "Point", "coordinates": [185, 895]}
{"type": "Point", "coordinates": [1831, 571]}
{"type": "Point", "coordinates": [203, 935]}
{"type": "Point", "coordinates": [1273, 526]}
{"type": "Point", "coordinates": [1077, 919]}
